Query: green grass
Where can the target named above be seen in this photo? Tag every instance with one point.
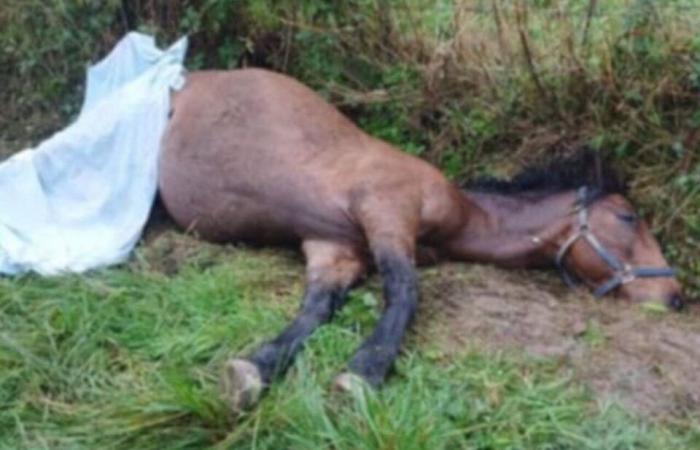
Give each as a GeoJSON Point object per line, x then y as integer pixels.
{"type": "Point", "coordinates": [129, 358]}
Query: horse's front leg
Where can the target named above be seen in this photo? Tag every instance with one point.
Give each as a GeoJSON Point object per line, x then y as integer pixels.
{"type": "Point", "coordinates": [392, 242]}
{"type": "Point", "coordinates": [331, 269]}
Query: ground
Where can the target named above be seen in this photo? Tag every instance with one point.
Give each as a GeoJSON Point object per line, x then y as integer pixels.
{"type": "Point", "coordinates": [129, 358]}
{"type": "Point", "coordinates": [646, 359]}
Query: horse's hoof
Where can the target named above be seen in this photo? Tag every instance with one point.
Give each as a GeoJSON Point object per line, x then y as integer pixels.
{"type": "Point", "coordinates": [350, 382]}
{"type": "Point", "coordinates": [241, 384]}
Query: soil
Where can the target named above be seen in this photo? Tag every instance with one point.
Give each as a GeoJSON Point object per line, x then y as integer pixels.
{"type": "Point", "coordinates": [645, 359]}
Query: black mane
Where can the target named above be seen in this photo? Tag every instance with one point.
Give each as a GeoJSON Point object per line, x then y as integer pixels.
{"type": "Point", "coordinates": [586, 168]}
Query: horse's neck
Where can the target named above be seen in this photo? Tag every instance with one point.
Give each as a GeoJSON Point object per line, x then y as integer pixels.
{"type": "Point", "coordinates": [513, 231]}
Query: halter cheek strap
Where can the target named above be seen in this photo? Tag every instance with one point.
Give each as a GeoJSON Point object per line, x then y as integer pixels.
{"type": "Point", "coordinates": [621, 273]}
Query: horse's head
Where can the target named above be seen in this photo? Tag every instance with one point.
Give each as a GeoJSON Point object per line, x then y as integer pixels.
{"type": "Point", "coordinates": [611, 249]}
{"type": "Point", "coordinates": [594, 237]}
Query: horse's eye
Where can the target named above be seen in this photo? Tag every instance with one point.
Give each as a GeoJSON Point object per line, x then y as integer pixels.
{"type": "Point", "coordinates": [628, 218]}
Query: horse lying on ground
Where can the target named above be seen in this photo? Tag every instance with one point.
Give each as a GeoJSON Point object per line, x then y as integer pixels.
{"type": "Point", "coordinates": [251, 155]}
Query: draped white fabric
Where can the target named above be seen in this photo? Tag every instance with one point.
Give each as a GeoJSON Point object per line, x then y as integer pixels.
{"type": "Point", "coordinates": [80, 199]}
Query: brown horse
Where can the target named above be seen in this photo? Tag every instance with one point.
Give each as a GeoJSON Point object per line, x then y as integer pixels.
{"type": "Point", "coordinates": [256, 156]}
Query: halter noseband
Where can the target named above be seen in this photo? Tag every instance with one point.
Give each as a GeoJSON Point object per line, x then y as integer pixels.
{"type": "Point", "coordinates": [622, 273]}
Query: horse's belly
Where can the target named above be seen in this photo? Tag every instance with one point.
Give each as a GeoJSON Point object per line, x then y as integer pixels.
{"type": "Point", "coordinates": [221, 203]}
{"type": "Point", "coordinates": [237, 219]}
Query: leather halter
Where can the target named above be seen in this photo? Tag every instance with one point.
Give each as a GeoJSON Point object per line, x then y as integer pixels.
{"type": "Point", "coordinates": [622, 273]}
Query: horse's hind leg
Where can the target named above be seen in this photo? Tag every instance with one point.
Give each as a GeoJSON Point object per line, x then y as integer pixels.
{"type": "Point", "coordinates": [331, 269]}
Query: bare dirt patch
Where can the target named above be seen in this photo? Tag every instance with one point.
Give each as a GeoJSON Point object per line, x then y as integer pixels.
{"type": "Point", "coordinates": [646, 360]}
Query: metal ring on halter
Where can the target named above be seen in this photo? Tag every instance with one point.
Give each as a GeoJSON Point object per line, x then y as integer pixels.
{"type": "Point", "coordinates": [622, 273]}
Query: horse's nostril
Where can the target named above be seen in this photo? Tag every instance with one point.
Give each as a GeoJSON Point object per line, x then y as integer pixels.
{"type": "Point", "coordinates": [676, 302]}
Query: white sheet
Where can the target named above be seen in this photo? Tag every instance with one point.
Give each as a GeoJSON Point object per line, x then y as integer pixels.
{"type": "Point", "coordinates": [80, 199]}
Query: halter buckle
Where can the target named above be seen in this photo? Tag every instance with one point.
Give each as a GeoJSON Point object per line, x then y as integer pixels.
{"type": "Point", "coordinates": [627, 275]}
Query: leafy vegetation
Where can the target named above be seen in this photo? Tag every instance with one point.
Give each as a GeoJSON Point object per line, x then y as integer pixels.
{"type": "Point", "coordinates": [127, 358]}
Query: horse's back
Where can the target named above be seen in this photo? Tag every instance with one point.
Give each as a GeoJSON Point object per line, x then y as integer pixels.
{"type": "Point", "coordinates": [254, 155]}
